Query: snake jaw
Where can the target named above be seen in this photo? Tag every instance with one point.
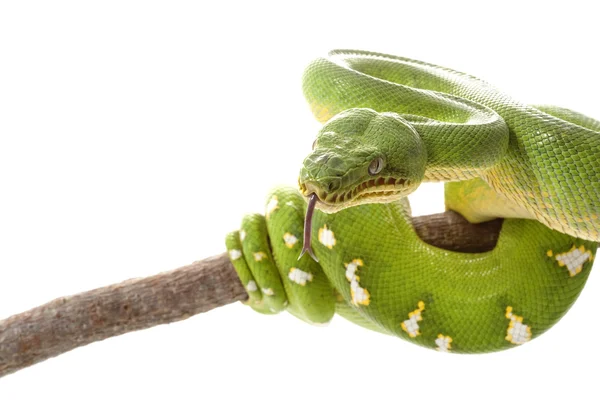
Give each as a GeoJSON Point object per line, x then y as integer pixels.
{"type": "Point", "coordinates": [375, 190]}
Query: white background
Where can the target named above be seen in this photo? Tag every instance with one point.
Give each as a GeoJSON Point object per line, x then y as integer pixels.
{"type": "Point", "coordinates": [134, 135]}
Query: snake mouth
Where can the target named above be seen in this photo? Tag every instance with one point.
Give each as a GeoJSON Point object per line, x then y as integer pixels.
{"type": "Point", "coordinates": [376, 190]}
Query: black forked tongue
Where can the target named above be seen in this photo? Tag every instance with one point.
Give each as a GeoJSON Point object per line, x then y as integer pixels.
{"type": "Point", "coordinates": [306, 248]}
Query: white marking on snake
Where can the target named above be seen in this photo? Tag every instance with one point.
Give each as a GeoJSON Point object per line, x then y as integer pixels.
{"type": "Point", "coordinates": [272, 205]}
{"type": "Point", "coordinates": [242, 235]}
{"type": "Point", "coordinates": [517, 332]}
{"type": "Point", "coordinates": [259, 256]}
{"type": "Point", "coordinates": [443, 343]}
{"type": "Point", "coordinates": [326, 237]}
{"type": "Point", "coordinates": [234, 254]}
{"type": "Point", "coordinates": [268, 291]}
{"type": "Point", "coordinates": [251, 286]}
{"type": "Point", "coordinates": [411, 325]}
{"type": "Point", "coordinates": [300, 277]}
{"type": "Point", "coordinates": [574, 259]}
{"type": "Point", "coordinates": [360, 295]}
{"type": "Point", "coordinates": [289, 239]}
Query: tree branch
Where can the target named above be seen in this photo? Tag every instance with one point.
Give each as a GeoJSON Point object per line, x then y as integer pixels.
{"type": "Point", "coordinates": [451, 231]}
{"type": "Point", "coordinates": [69, 322]}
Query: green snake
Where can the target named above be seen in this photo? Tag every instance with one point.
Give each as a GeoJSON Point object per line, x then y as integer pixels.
{"type": "Point", "coordinates": [391, 123]}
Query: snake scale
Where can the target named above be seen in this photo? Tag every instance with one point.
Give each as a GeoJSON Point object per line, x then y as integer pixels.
{"type": "Point", "coordinates": [390, 123]}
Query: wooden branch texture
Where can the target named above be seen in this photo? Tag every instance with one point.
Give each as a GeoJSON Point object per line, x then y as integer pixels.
{"type": "Point", "coordinates": [73, 321]}
{"type": "Point", "coordinates": [69, 322]}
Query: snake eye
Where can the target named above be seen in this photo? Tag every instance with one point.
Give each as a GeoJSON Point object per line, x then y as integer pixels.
{"type": "Point", "coordinates": [376, 166]}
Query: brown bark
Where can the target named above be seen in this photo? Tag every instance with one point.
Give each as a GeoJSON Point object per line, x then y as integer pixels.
{"type": "Point", "coordinates": [451, 231]}
{"type": "Point", "coordinates": [69, 322]}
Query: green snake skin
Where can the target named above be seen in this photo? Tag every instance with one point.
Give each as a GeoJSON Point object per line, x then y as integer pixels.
{"type": "Point", "coordinates": [391, 123]}
{"type": "Point", "coordinates": [547, 161]}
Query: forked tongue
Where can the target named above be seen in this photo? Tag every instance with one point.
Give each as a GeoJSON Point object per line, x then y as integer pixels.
{"type": "Point", "coordinates": [306, 248]}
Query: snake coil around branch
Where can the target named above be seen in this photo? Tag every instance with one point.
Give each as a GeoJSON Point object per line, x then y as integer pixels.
{"type": "Point", "coordinates": [73, 321]}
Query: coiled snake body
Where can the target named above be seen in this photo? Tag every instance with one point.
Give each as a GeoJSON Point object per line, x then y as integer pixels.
{"type": "Point", "coordinates": [391, 123]}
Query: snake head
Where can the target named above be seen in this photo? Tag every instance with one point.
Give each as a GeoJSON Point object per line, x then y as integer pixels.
{"type": "Point", "coordinates": [361, 156]}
